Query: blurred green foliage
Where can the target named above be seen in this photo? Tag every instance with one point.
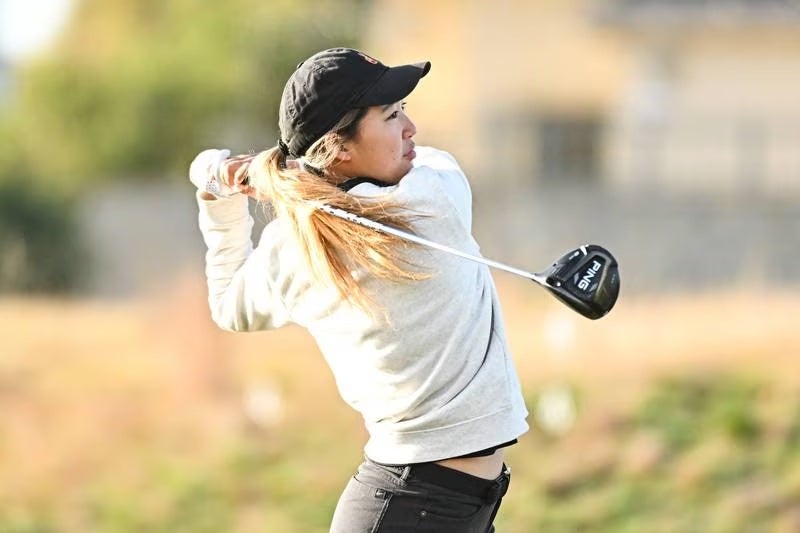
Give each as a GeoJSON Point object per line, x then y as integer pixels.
{"type": "Point", "coordinates": [135, 88]}
{"type": "Point", "coordinates": [41, 249]}
{"type": "Point", "coordinates": [700, 452]}
{"type": "Point", "coordinates": [686, 411]}
{"type": "Point", "coordinates": [628, 474]}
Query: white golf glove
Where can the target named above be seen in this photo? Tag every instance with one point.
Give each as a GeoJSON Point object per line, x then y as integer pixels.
{"type": "Point", "coordinates": [205, 173]}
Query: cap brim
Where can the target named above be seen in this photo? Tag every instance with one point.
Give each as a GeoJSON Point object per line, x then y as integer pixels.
{"type": "Point", "coordinates": [394, 85]}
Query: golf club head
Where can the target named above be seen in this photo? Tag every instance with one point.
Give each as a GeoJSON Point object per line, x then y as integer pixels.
{"type": "Point", "coordinates": [586, 279]}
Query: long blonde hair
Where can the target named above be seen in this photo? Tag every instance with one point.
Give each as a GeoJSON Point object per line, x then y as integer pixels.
{"type": "Point", "coordinates": [332, 247]}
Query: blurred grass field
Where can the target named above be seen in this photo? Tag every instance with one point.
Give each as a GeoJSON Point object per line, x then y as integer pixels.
{"type": "Point", "coordinates": [144, 417]}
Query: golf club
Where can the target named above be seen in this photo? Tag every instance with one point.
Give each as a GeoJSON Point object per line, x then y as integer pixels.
{"type": "Point", "coordinates": [585, 279]}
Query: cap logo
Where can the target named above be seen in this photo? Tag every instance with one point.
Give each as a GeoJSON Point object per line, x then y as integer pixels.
{"type": "Point", "coordinates": [368, 59]}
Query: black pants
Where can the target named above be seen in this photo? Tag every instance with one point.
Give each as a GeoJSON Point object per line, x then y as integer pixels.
{"type": "Point", "coordinates": [423, 497]}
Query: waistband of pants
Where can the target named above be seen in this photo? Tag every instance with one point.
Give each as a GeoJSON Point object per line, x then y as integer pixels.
{"type": "Point", "coordinates": [458, 481]}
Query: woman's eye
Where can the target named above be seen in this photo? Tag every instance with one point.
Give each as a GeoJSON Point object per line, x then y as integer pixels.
{"type": "Point", "coordinates": [397, 113]}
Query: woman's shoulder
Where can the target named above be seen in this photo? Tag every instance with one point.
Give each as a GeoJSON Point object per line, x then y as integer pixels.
{"type": "Point", "coordinates": [438, 171]}
{"type": "Point", "coordinates": [436, 183]}
{"type": "Point", "coordinates": [433, 158]}
{"type": "Point", "coordinates": [437, 166]}
{"type": "Point", "coordinates": [433, 171]}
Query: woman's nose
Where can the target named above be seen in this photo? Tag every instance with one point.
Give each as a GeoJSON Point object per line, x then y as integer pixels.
{"type": "Point", "coordinates": [410, 129]}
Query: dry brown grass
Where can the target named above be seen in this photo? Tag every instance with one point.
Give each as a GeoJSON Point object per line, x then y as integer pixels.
{"type": "Point", "coordinates": [644, 336]}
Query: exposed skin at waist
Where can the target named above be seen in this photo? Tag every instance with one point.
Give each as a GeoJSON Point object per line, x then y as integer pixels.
{"type": "Point", "coordinates": [488, 467]}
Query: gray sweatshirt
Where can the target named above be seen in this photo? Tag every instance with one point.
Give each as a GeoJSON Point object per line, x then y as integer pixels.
{"type": "Point", "coordinates": [434, 379]}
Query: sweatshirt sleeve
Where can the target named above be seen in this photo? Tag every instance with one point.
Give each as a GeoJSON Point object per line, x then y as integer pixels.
{"type": "Point", "coordinates": [241, 295]}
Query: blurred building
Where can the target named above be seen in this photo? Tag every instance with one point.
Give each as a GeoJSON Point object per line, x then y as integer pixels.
{"type": "Point", "coordinates": [698, 94]}
{"type": "Point", "coordinates": [711, 100]}
{"type": "Point", "coordinates": [666, 129]}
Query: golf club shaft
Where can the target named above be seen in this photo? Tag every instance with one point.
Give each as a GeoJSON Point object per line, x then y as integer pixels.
{"type": "Point", "coordinates": [377, 226]}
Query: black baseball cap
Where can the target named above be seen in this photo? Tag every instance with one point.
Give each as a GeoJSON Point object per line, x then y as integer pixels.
{"type": "Point", "coordinates": [329, 84]}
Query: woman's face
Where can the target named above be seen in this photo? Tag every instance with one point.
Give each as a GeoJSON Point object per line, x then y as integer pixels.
{"type": "Point", "coordinates": [382, 147]}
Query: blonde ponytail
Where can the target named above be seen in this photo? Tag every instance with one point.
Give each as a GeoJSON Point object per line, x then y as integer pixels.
{"type": "Point", "coordinates": [332, 247]}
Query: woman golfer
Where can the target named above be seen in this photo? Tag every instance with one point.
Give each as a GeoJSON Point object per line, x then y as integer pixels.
{"type": "Point", "coordinates": [413, 336]}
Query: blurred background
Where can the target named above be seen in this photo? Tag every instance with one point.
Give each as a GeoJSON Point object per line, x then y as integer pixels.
{"type": "Point", "coordinates": [665, 130]}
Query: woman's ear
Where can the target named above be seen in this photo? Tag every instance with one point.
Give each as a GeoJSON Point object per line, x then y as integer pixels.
{"type": "Point", "coordinates": [344, 154]}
